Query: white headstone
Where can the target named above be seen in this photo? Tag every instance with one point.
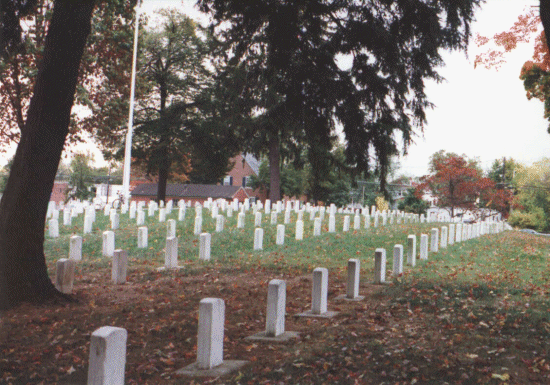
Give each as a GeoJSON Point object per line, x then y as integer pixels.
{"type": "Point", "coordinates": [367, 221]}
{"type": "Point", "coordinates": [107, 356]}
{"type": "Point", "coordinates": [356, 222]}
{"type": "Point", "coordinates": [220, 220]}
{"type": "Point", "coordinates": [198, 225]}
{"type": "Point", "coordinates": [240, 220]}
{"type": "Point", "coordinates": [434, 240]}
{"type": "Point", "coordinates": [140, 217]}
{"type": "Point", "coordinates": [274, 217]}
{"type": "Point", "coordinates": [142, 238]}
{"type": "Point", "coordinates": [452, 230]}
{"type": "Point", "coordinates": [115, 221]}
{"type": "Point", "coordinates": [67, 216]}
{"type": "Point", "coordinates": [88, 222]}
{"type": "Point", "coordinates": [120, 266]}
{"type": "Point", "coordinates": [258, 219]}
{"type": "Point", "coordinates": [444, 237]}
{"type": "Point", "coordinates": [458, 237]}
{"type": "Point", "coordinates": [210, 333]}
{"type": "Point", "coordinates": [64, 275]}
{"type": "Point", "coordinates": [331, 223]}
{"type": "Point", "coordinates": [276, 307]}
{"type": "Point", "coordinates": [205, 240]}
{"type": "Point", "coordinates": [108, 243]}
{"type": "Point", "coordinates": [287, 217]}
{"type": "Point", "coordinates": [317, 227]}
{"type": "Point", "coordinates": [411, 250]}
{"type": "Point", "coordinates": [280, 235]}
{"type": "Point", "coordinates": [171, 254]}
{"type": "Point", "coordinates": [53, 228]}
{"type": "Point", "coordinates": [423, 246]}
{"type": "Point", "coordinates": [354, 268]}
{"type": "Point", "coordinates": [398, 259]}
{"type": "Point", "coordinates": [75, 248]}
{"type": "Point", "coordinates": [319, 291]}
{"type": "Point", "coordinates": [380, 266]}
{"type": "Point", "coordinates": [345, 227]}
{"type": "Point", "coordinates": [170, 228]}
{"type": "Point", "coordinates": [299, 230]}
{"type": "Point", "coordinates": [181, 213]}
{"type": "Point", "coordinates": [258, 238]}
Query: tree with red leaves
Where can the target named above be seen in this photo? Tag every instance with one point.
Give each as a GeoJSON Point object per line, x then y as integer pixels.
{"type": "Point", "coordinates": [458, 183]}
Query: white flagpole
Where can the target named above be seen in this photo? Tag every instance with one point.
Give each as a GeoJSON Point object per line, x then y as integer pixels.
{"type": "Point", "coordinates": [128, 147]}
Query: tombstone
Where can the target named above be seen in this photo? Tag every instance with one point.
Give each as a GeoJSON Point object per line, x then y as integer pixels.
{"type": "Point", "coordinates": [220, 220]}
{"type": "Point", "coordinates": [88, 222]}
{"type": "Point", "coordinates": [258, 238]}
{"type": "Point", "coordinates": [67, 217]}
{"type": "Point", "coordinates": [142, 237]}
{"type": "Point", "coordinates": [345, 227]}
{"type": "Point", "coordinates": [287, 217]}
{"type": "Point", "coordinates": [317, 227]}
{"type": "Point", "coordinates": [205, 240]}
{"type": "Point", "coordinates": [210, 360]}
{"type": "Point", "coordinates": [140, 220]}
{"type": "Point", "coordinates": [258, 219]}
{"type": "Point", "coordinates": [424, 246]}
{"type": "Point", "coordinates": [458, 237]}
{"type": "Point", "coordinates": [198, 210]}
{"type": "Point", "coordinates": [133, 209]}
{"type": "Point", "coordinates": [280, 240]}
{"type": "Point", "coordinates": [162, 215]}
{"type": "Point", "coordinates": [451, 238]}
{"type": "Point", "coordinates": [397, 260]}
{"type": "Point", "coordinates": [299, 230]}
{"type": "Point", "coordinates": [240, 220]}
{"type": "Point", "coordinates": [380, 266]}
{"type": "Point", "coordinates": [198, 225]}
{"type": "Point", "coordinates": [275, 315]}
{"type": "Point", "coordinates": [214, 211]}
{"type": "Point", "coordinates": [108, 243]}
{"type": "Point", "coordinates": [115, 221]}
{"type": "Point", "coordinates": [352, 288]}
{"type": "Point", "coordinates": [375, 224]}
{"type": "Point", "coordinates": [170, 228]}
{"type": "Point", "coordinates": [367, 221]}
{"type": "Point", "coordinates": [444, 237]}
{"type": "Point", "coordinates": [120, 266]}
{"type": "Point", "coordinates": [75, 248]}
{"type": "Point", "coordinates": [300, 215]}
{"type": "Point", "coordinates": [434, 248]}
{"type": "Point", "coordinates": [107, 356]}
{"type": "Point", "coordinates": [171, 254]}
{"type": "Point", "coordinates": [267, 206]}
{"type": "Point", "coordinates": [274, 217]}
{"type": "Point", "coordinates": [53, 228]}
{"type": "Point", "coordinates": [64, 275]}
{"type": "Point", "coordinates": [356, 222]}
{"type": "Point", "coordinates": [276, 308]}
{"type": "Point", "coordinates": [151, 209]}
{"type": "Point", "coordinates": [319, 296]}
{"type": "Point", "coordinates": [331, 223]}
{"type": "Point", "coordinates": [181, 213]}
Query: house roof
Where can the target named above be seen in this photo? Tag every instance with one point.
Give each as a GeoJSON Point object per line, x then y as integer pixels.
{"type": "Point", "coordinates": [252, 162]}
{"type": "Point", "coordinates": [188, 190]}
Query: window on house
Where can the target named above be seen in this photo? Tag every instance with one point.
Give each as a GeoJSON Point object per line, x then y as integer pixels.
{"type": "Point", "coordinates": [245, 180]}
{"type": "Point", "coordinates": [228, 181]}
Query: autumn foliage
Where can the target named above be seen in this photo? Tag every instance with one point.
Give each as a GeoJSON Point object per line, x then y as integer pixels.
{"type": "Point", "coordinates": [457, 183]}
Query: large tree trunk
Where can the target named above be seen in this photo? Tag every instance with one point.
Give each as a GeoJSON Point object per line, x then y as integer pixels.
{"type": "Point", "coordinates": [545, 17]}
{"type": "Point", "coordinates": [274, 169]}
{"type": "Point", "coordinates": [23, 270]}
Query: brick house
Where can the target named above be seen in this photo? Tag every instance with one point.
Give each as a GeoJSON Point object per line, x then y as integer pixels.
{"type": "Point", "coordinates": [59, 191]}
{"type": "Point", "coordinates": [190, 192]}
{"type": "Point", "coordinates": [244, 167]}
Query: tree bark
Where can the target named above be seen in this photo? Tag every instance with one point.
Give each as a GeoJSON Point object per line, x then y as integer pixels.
{"type": "Point", "coordinates": [274, 169]}
{"type": "Point", "coordinates": [545, 18]}
{"type": "Point", "coordinates": [23, 271]}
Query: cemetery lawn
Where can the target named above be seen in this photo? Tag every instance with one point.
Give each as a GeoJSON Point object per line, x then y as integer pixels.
{"type": "Point", "coordinates": [475, 312]}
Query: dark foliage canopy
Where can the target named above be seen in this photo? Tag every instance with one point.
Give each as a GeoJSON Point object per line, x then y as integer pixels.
{"type": "Point", "coordinates": [292, 53]}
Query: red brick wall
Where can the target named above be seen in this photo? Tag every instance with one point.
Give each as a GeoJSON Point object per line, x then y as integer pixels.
{"type": "Point", "coordinates": [58, 192]}
{"type": "Point", "coordinates": [239, 170]}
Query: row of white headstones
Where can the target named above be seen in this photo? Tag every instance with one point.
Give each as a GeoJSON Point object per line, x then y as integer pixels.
{"type": "Point", "coordinates": [65, 267]}
{"type": "Point", "coordinates": [108, 344]}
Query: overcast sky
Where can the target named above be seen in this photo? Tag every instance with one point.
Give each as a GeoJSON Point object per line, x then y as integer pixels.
{"type": "Point", "coordinates": [480, 113]}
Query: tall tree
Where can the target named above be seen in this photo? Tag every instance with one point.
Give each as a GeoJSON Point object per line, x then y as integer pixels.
{"type": "Point", "coordinates": [23, 270]}
{"type": "Point", "coordinates": [173, 125]}
{"type": "Point", "coordinates": [80, 178]}
{"type": "Point", "coordinates": [103, 77]}
{"type": "Point", "coordinates": [291, 53]}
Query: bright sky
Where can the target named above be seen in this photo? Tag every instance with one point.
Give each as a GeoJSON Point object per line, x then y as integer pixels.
{"type": "Point", "coordinates": [480, 113]}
